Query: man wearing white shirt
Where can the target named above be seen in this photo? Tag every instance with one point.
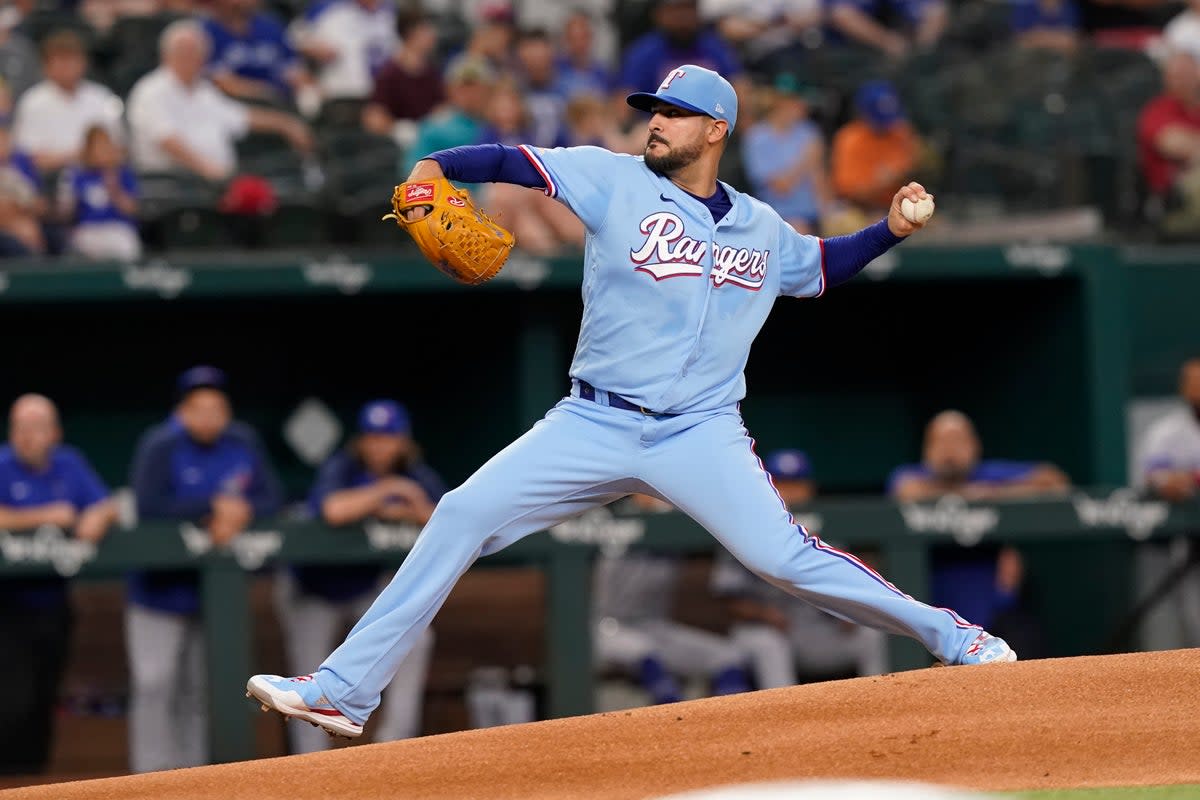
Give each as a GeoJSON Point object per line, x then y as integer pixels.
{"type": "Point", "coordinates": [1183, 31]}
{"type": "Point", "coordinates": [179, 121]}
{"type": "Point", "coordinates": [52, 116]}
{"type": "Point", "coordinates": [350, 40]}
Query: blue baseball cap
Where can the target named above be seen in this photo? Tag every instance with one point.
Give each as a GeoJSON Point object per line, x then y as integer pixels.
{"type": "Point", "coordinates": [789, 464]}
{"type": "Point", "coordinates": [694, 88]}
{"type": "Point", "coordinates": [878, 103]}
{"type": "Point", "coordinates": [383, 416]}
{"type": "Point", "coordinates": [200, 377]}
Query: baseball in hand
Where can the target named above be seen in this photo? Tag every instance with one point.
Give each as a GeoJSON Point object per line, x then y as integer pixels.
{"type": "Point", "coordinates": [918, 212]}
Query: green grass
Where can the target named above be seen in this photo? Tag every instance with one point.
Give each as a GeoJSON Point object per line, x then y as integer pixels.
{"type": "Point", "coordinates": [1133, 793]}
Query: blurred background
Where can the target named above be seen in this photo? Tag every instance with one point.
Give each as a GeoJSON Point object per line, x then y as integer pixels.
{"type": "Point", "coordinates": [235, 394]}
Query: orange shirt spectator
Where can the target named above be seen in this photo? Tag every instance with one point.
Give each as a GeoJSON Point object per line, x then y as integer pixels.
{"type": "Point", "coordinates": [874, 153]}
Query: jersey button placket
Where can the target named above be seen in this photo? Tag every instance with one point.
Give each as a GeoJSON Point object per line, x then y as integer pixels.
{"type": "Point", "coordinates": [694, 355]}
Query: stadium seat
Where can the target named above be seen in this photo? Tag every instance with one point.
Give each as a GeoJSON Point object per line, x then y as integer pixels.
{"type": "Point", "coordinates": [977, 25]}
{"type": "Point", "coordinates": [296, 224]}
{"type": "Point", "coordinates": [42, 21]}
{"type": "Point", "coordinates": [340, 114]}
{"type": "Point", "coordinates": [361, 169]}
{"type": "Point", "coordinates": [133, 45]}
{"type": "Point", "coordinates": [195, 228]}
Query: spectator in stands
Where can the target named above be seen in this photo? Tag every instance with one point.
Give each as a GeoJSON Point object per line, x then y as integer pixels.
{"type": "Point", "coordinates": [1169, 144]}
{"type": "Point", "coordinates": [379, 476]}
{"type": "Point", "coordinates": [874, 152]}
{"type": "Point", "coordinates": [408, 86]}
{"type": "Point", "coordinates": [469, 81]}
{"type": "Point", "coordinates": [251, 58]}
{"type": "Point", "coordinates": [952, 465]}
{"type": "Point", "coordinates": [1169, 466]}
{"type": "Point", "coordinates": [539, 81]}
{"type": "Point", "coordinates": [42, 483]}
{"type": "Point", "coordinates": [99, 198]}
{"type": "Point", "coordinates": [18, 57]}
{"type": "Point", "coordinates": [580, 72]}
{"type": "Point", "coordinates": [784, 158]}
{"type": "Point", "coordinates": [507, 119]}
{"type": "Point", "coordinates": [494, 37]}
{"type": "Point", "coordinates": [180, 122]}
{"type": "Point", "coordinates": [21, 205]}
{"type": "Point", "coordinates": [542, 225]}
{"type": "Point", "coordinates": [1047, 25]}
{"type": "Point", "coordinates": [781, 634]}
{"type": "Point", "coordinates": [678, 38]}
{"type": "Point", "coordinates": [893, 27]}
{"type": "Point", "coordinates": [101, 14]}
{"type": "Point", "coordinates": [1183, 31]}
{"type": "Point", "coordinates": [349, 40]}
{"type": "Point", "coordinates": [204, 470]}
{"type": "Point", "coordinates": [634, 631]}
{"type": "Point", "coordinates": [771, 34]}
{"type": "Point", "coordinates": [52, 117]}
{"type": "Point", "coordinates": [590, 122]}
{"type": "Point", "coordinates": [599, 16]}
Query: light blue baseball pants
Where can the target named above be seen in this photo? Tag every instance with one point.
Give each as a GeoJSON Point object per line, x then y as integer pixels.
{"type": "Point", "coordinates": [584, 454]}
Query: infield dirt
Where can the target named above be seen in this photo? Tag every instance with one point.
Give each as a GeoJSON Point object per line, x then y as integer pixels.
{"type": "Point", "coordinates": [1124, 720]}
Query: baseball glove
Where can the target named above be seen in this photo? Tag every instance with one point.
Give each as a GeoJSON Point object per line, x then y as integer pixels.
{"type": "Point", "coordinates": [455, 235]}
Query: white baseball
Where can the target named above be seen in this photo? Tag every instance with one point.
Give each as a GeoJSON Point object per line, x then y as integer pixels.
{"type": "Point", "coordinates": [918, 212]}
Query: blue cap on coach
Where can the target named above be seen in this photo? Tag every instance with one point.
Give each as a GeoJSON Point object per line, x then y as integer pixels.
{"type": "Point", "coordinates": [201, 377]}
{"type": "Point", "coordinates": [694, 88]}
{"type": "Point", "coordinates": [383, 416]}
{"type": "Point", "coordinates": [789, 464]}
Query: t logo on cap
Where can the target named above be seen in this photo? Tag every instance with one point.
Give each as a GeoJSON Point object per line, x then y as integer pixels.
{"type": "Point", "coordinates": [666, 84]}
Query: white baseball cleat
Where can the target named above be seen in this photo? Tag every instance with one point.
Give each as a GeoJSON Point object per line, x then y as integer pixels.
{"type": "Point", "coordinates": [987, 649]}
{"type": "Point", "coordinates": [301, 698]}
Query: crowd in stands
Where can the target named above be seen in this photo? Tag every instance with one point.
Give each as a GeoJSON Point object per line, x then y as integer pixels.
{"type": "Point", "coordinates": [276, 111]}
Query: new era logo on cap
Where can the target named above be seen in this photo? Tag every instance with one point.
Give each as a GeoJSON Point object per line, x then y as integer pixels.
{"type": "Point", "coordinates": [418, 191]}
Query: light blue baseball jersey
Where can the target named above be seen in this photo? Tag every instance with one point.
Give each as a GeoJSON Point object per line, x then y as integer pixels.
{"type": "Point", "coordinates": [671, 299]}
{"type": "Point", "coordinates": [672, 302]}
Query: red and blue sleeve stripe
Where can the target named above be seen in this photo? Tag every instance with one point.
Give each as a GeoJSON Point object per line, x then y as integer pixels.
{"type": "Point", "coordinates": [548, 182]}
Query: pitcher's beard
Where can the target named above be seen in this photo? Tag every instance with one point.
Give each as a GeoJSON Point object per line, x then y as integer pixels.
{"type": "Point", "coordinates": [675, 159]}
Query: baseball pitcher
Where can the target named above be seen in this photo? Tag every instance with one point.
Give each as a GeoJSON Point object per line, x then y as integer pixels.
{"type": "Point", "coordinates": [679, 274]}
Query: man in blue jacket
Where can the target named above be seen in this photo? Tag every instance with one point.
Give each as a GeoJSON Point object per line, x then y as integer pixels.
{"type": "Point", "coordinates": [199, 466]}
{"type": "Point", "coordinates": [43, 483]}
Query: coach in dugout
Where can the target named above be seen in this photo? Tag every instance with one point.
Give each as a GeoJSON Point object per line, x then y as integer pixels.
{"type": "Point", "coordinates": [42, 483]}
{"type": "Point", "coordinates": [379, 475]}
{"type": "Point", "coordinates": [985, 584]}
{"type": "Point", "coordinates": [202, 467]}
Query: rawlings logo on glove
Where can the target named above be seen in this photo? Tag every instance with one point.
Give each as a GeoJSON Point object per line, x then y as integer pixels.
{"type": "Point", "coordinates": [454, 234]}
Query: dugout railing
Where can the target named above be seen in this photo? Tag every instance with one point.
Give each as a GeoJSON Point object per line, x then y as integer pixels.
{"type": "Point", "coordinates": [903, 536]}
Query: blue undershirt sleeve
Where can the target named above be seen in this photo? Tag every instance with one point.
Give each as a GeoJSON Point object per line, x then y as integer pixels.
{"type": "Point", "coordinates": [488, 163]}
{"type": "Point", "coordinates": [845, 256]}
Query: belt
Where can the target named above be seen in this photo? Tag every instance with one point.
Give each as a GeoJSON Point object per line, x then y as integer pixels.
{"type": "Point", "coordinates": [588, 392]}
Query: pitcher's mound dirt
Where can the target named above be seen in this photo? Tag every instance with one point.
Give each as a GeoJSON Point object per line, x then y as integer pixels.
{"type": "Point", "coordinates": [1096, 721]}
